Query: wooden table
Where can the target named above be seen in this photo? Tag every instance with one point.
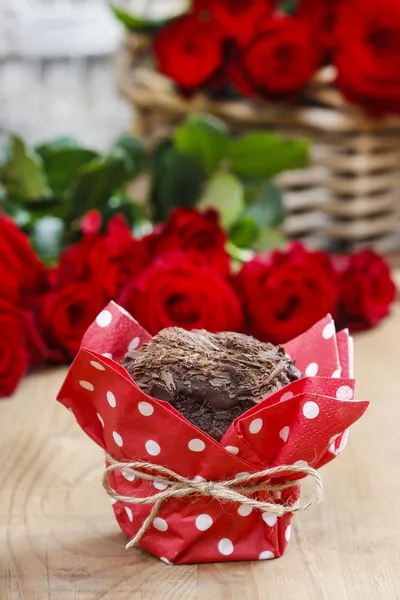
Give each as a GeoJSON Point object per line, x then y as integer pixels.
{"type": "Point", "coordinates": [59, 539]}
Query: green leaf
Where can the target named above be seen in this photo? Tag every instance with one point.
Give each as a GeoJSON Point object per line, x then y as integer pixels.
{"type": "Point", "coordinates": [177, 180]}
{"type": "Point", "coordinates": [138, 24]}
{"type": "Point", "coordinates": [23, 174]}
{"type": "Point", "coordinates": [16, 211]}
{"type": "Point", "coordinates": [98, 181]}
{"type": "Point", "coordinates": [61, 142]}
{"type": "Point", "coordinates": [62, 161]}
{"type": "Point", "coordinates": [261, 155]}
{"type": "Point", "coordinates": [225, 193]}
{"type": "Point", "coordinates": [255, 228]}
{"type": "Point", "coordinates": [47, 237]}
{"type": "Point", "coordinates": [123, 205]}
{"type": "Point", "coordinates": [128, 20]}
{"type": "Point", "coordinates": [289, 7]}
{"type": "Point", "coordinates": [239, 255]}
{"type": "Point", "coordinates": [54, 207]}
{"type": "Point", "coordinates": [268, 239]}
{"type": "Point", "coordinates": [203, 138]}
{"type": "Point", "coordinates": [244, 232]}
{"type": "Point", "coordinates": [136, 156]}
{"type": "Point", "coordinates": [268, 209]}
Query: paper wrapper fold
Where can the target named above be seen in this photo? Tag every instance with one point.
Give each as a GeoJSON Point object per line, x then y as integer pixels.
{"type": "Point", "coordinates": [305, 422]}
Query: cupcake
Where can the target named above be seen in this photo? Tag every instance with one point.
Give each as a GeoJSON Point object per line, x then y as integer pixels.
{"type": "Point", "coordinates": [208, 409]}
{"type": "Point", "coordinates": [210, 378]}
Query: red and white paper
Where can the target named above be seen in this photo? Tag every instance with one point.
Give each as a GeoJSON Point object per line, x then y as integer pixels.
{"type": "Point", "coordinates": [305, 423]}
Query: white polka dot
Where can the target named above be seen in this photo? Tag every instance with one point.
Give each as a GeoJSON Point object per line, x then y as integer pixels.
{"type": "Point", "coordinates": [127, 473]}
{"type": "Point", "coordinates": [336, 374]}
{"type": "Point", "coordinates": [133, 344]}
{"type": "Point", "coordinates": [97, 365]}
{"type": "Point", "coordinates": [286, 396]}
{"type": "Point", "coordinates": [204, 522]}
{"type": "Point", "coordinates": [284, 433]}
{"type": "Point", "coordinates": [199, 479]}
{"type": "Point", "coordinates": [196, 445]}
{"type": "Point", "coordinates": [232, 449]}
{"type": "Point", "coordinates": [104, 318]}
{"type": "Point", "coordinates": [100, 418]}
{"type": "Point", "coordinates": [165, 560]}
{"type": "Point", "coordinates": [107, 354]}
{"type": "Point", "coordinates": [87, 385]}
{"type": "Point", "coordinates": [256, 425]}
{"type": "Point", "coordinates": [244, 510]}
{"type": "Point", "coordinates": [111, 399]}
{"type": "Point", "coordinates": [159, 485]}
{"type": "Point", "coordinates": [301, 463]}
{"type": "Point", "coordinates": [310, 410]}
{"type": "Point", "coordinates": [160, 524]}
{"type": "Point", "coordinates": [129, 513]}
{"type": "Point", "coordinates": [145, 408]}
{"type": "Point", "coordinates": [344, 392]}
{"type": "Point", "coordinates": [328, 331]}
{"type": "Point", "coordinates": [269, 518]}
{"type": "Point", "coordinates": [266, 555]}
{"type": "Point", "coordinates": [113, 501]}
{"type": "Point", "coordinates": [277, 495]}
{"type": "Point", "coordinates": [288, 532]}
{"type": "Point", "coordinates": [118, 439]}
{"type": "Point", "coordinates": [311, 370]}
{"type": "Point", "coordinates": [152, 448]}
{"type": "Point", "coordinates": [225, 546]}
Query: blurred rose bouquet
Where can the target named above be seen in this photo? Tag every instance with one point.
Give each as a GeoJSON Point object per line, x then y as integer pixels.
{"type": "Point", "coordinates": [179, 274]}
{"type": "Point", "coordinates": [272, 48]}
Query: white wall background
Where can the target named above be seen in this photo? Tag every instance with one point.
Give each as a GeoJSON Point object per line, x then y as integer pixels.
{"type": "Point", "coordinates": [56, 68]}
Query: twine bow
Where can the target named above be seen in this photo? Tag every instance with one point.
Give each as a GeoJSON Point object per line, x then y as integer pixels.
{"type": "Point", "coordinates": [231, 490]}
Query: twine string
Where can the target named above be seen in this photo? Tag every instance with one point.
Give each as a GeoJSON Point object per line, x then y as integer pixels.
{"type": "Point", "coordinates": [236, 489]}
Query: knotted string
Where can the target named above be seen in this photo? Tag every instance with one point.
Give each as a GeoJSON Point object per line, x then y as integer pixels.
{"type": "Point", "coordinates": [231, 490]}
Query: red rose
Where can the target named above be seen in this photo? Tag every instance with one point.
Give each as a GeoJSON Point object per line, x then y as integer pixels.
{"type": "Point", "coordinates": [366, 289]}
{"type": "Point", "coordinates": [117, 257]}
{"type": "Point", "coordinates": [66, 314]}
{"type": "Point", "coordinates": [110, 259]}
{"type": "Point", "coordinates": [13, 356]}
{"type": "Point", "coordinates": [73, 263]}
{"type": "Point", "coordinates": [198, 234]}
{"type": "Point", "coordinates": [238, 18]}
{"type": "Point", "coordinates": [22, 276]}
{"type": "Point", "coordinates": [20, 345]}
{"type": "Point", "coordinates": [176, 292]}
{"type": "Point", "coordinates": [35, 346]}
{"type": "Point", "coordinates": [91, 222]}
{"type": "Point", "coordinates": [279, 61]}
{"type": "Point", "coordinates": [322, 16]}
{"type": "Point", "coordinates": [189, 50]}
{"type": "Point", "coordinates": [367, 55]}
{"type": "Point", "coordinates": [286, 292]}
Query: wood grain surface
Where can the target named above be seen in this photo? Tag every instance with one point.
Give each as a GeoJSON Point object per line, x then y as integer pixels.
{"type": "Point", "coordinates": [59, 539]}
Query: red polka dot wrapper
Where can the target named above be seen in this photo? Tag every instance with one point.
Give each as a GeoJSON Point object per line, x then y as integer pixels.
{"type": "Point", "coordinates": [306, 423]}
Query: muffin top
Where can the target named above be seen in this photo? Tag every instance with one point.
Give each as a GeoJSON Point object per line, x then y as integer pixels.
{"type": "Point", "coordinates": [211, 378]}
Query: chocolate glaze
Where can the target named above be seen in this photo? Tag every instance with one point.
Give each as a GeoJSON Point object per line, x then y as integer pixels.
{"type": "Point", "coordinates": [211, 378]}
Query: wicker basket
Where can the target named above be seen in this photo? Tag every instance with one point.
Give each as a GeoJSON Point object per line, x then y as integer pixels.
{"type": "Point", "coordinates": [349, 196]}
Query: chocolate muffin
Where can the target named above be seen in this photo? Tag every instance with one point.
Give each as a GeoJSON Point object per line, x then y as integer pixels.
{"type": "Point", "coordinates": [210, 378]}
